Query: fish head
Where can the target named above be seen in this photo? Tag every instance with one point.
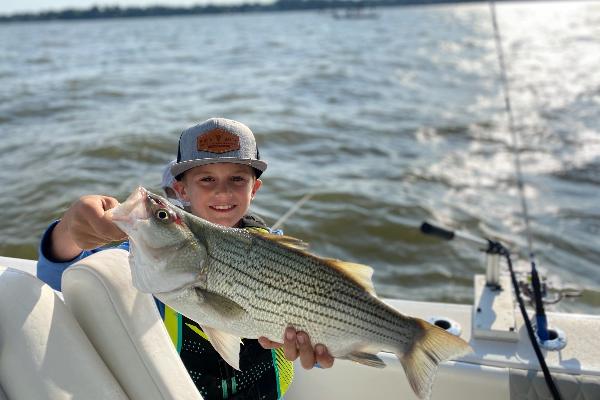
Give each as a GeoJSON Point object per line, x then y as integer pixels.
{"type": "Point", "coordinates": [164, 254]}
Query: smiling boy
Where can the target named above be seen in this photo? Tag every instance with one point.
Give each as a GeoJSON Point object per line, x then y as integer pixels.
{"type": "Point", "coordinates": [217, 171]}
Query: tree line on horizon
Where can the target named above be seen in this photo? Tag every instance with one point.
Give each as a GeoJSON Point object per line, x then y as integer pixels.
{"type": "Point", "coordinates": [96, 12]}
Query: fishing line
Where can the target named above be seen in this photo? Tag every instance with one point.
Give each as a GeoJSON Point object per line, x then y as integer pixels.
{"type": "Point", "coordinates": [292, 210]}
{"type": "Point", "coordinates": [512, 128]}
{"type": "Point", "coordinates": [541, 320]}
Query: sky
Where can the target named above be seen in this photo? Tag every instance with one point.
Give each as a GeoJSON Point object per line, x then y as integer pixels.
{"type": "Point", "coordinates": [17, 6]}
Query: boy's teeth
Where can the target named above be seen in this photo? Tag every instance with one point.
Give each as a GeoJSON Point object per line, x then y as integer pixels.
{"type": "Point", "coordinates": [222, 207]}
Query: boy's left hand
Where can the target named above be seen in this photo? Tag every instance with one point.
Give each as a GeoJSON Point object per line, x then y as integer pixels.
{"type": "Point", "coordinates": [297, 344]}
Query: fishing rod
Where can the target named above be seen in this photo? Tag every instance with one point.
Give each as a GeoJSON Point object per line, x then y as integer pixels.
{"type": "Point", "coordinates": [292, 210]}
{"type": "Point", "coordinates": [540, 315]}
{"type": "Point", "coordinates": [497, 248]}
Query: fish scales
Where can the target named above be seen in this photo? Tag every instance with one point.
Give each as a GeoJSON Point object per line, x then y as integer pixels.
{"type": "Point", "coordinates": [331, 290]}
{"type": "Point", "coordinates": [237, 283]}
{"type": "Point", "coordinates": [265, 298]}
{"type": "Point", "coordinates": [261, 262]}
{"type": "Point", "coordinates": [346, 297]}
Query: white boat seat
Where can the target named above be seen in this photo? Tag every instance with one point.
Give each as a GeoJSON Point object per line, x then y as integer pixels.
{"type": "Point", "coordinates": [44, 354]}
{"type": "Point", "coordinates": [125, 327]}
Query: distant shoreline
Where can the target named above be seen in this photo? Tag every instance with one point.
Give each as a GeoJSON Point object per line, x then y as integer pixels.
{"type": "Point", "coordinates": [109, 12]}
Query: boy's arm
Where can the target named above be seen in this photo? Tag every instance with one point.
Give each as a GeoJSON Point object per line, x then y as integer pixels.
{"type": "Point", "coordinates": [60, 246]}
{"type": "Point", "coordinates": [85, 225]}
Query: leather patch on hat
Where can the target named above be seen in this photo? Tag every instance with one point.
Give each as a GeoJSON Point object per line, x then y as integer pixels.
{"type": "Point", "coordinates": [218, 141]}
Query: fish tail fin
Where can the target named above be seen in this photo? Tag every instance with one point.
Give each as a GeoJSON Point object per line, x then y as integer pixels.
{"type": "Point", "coordinates": [432, 346]}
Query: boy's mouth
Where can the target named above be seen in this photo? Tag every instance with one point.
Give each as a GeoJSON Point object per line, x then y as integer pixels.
{"type": "Point", "coordinates": [223, 208]}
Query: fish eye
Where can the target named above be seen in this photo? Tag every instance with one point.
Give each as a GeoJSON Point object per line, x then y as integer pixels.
{"type": "Point", "coordinates": [162, 214]}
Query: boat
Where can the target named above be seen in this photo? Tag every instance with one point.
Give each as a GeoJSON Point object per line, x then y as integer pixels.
{"type": "Point", "coordinates": [357, 12]}
{"type": "Point", "coordinates": [101, 338]}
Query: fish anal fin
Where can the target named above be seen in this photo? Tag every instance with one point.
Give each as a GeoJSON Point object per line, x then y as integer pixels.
{"type": "Point", "coordinates": [359, 273]}
{"type": "Point", "coordinates": [368, 359]}
{"type": "Point", "coordinates": [226, 344]}
{"type": "Point", "coordinates": [432, 345]}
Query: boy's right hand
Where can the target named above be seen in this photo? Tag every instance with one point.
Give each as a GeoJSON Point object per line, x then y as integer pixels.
{"type": "Point", "coordinates": [85, 225]}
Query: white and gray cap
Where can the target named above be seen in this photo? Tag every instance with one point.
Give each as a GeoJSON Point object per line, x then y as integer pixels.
{"type": "Point", "coordinates": [167, 178]}
{"type": "Point", "coordinates": [217, 140]}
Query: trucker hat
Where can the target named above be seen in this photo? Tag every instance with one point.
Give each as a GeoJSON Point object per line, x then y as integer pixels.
{"type": "Point", "coordinates": [217, 140]}
{"type": "Point", "coordinates": [167, 177]}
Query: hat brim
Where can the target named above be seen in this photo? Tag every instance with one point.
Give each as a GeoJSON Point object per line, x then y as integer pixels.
{"type": "Point", "coordinates": [181, 167]}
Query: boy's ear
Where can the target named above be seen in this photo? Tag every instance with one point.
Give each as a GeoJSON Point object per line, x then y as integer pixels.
{"type": "Point", "coordinates": [257, 185]}
{"type": "Point", "coordinates": [180, 188]}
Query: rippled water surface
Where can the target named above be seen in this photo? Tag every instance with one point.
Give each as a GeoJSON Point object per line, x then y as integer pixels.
{"type": "Point", "coordinates": [389, 121]}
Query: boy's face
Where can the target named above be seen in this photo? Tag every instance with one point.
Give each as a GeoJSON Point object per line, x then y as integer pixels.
{"type": "Point", "coordinates": [220, 193]}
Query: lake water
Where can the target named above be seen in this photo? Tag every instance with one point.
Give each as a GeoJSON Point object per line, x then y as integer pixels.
{"type": "Point", "coordinates": [389, 121]}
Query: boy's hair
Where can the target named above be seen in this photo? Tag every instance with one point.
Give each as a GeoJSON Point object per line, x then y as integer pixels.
{"type": "Point", "coordinates": [255, 171]}
{"type": "Point", "coordinates": [217, 140]}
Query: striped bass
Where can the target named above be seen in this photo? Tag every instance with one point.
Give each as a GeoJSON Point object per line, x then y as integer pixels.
{"type": "Point", "coordinates": [237, 284]}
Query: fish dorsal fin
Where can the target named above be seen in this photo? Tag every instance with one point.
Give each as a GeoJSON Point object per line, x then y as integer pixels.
{"type": "Point", "coordinates": [226, 344]}
{"type": "Point", "coordinates": [359, 273]}
{"type": "Point", "coordinates": [290, 241]}
{"type": "Point", "coordinates": [287, 241]}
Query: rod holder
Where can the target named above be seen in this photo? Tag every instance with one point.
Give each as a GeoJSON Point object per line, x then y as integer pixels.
{"type": "Point", "coordinates": [492, 272]}
{"type": "Point", "coordinates": [557, 340]}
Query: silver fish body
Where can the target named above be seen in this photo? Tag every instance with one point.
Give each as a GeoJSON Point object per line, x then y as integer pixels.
{"type": "Point", "coordinates": [237, 283]}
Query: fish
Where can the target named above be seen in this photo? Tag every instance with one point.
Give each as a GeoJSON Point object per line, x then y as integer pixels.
{"type": "Point", "coordinates": [237, 283]}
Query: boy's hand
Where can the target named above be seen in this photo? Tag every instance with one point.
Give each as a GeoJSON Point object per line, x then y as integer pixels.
{"type": "Point", "coordinates": [85, 225]}
{"type": "Point", "coordinates": [89, 223]}
{"type": "Point", "coordinates": [298, 344]}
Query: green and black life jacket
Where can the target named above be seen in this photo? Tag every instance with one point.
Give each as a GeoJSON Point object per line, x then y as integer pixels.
{"type": "Point", "coordinates": [265, 374]}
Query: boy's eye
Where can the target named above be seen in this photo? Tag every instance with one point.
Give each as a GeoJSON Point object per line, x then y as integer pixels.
{"type": "Point", "coordinates": [207, 179]}
{"type": "Point", "coordinates": [238, 178]}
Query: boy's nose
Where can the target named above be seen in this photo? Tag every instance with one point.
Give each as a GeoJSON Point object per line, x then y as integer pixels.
{"type": "Point", "coordinates": [223, 188]}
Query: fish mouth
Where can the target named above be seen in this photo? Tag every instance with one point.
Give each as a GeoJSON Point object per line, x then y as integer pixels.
{"type": "Point", "coordinates": [134, 209]}
{"type": "Point", "coordinates": [153, 201]}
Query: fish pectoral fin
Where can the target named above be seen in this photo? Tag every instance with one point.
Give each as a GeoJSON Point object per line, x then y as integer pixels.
{"type": "Point", "coordinates": [222, 305]}
{"type": "Point", "coordinates": [359, 273]}
{"type": "Point", "coordinates": [368, 359]}
{"type": "Point", "coordinates": [226, 344]}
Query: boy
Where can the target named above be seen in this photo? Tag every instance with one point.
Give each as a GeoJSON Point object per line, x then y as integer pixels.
{"type": "Point", "coordinates": [217, 172]}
